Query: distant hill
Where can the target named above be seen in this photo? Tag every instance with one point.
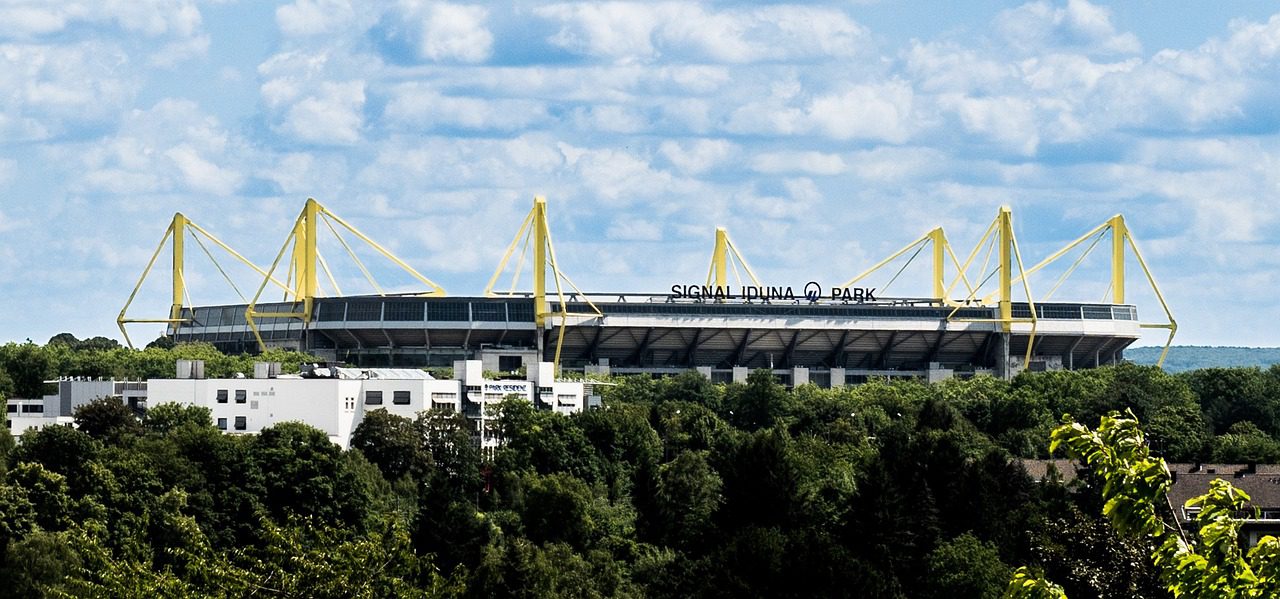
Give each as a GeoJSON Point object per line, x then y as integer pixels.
{"type": "Point", "coordinates": [1191, 357]}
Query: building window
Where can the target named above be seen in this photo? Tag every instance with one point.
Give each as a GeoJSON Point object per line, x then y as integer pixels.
{"type": "Point", "coordinates": [13, 407]}
{"type": "Point", "coordinates": [442, 406]}
{"type": "Point", "coordinates": [241, 423]}
{"type": "Point", "coordinates": [510, 363]}
{"type": "Point", "coordinates": [242, 396]}
{"type": "Point", "coordinates": [222, 424]}
{"type": "Point", "coordinates": [400, 398]}
{"type": "Point", "coordinates": [32, 408]}
{"type": "Point", "coordinates": [372, 398]}
{"type": "Point", "coordinates": [567, 400]}
{"type": "Point", "coordinates": [493, 396]}
{"type": "Point", "coordinates": [222, 396]}
{"type": "Point", "coordinates": [473, 388]}
{"type": "Point", "coordinates": [448, 397]}
{"type": "Point", "coordinates": [544, 391]}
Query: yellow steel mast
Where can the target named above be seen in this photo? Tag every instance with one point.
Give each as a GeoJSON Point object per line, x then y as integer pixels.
{"type": "Point", "coordinates": [179, 229]}
{"type": "Point", "coordinates": [535, 231]}
{"type": "Point", "coordinates": [941, 250]}
{"type": "Point", "coordinates": [306, 262]}
{"type": "Point", "coordinates": [725, 257]}
{"type": "Point", "coordinates": [1121, 238]}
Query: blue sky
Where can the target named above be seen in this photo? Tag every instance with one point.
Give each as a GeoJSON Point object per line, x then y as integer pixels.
{"type": "Point", "coordinates": [823, 135]}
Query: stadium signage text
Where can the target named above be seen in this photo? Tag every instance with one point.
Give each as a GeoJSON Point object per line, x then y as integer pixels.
{"type": "Point", "coordinates": [506, 387]}
{"type": "Point", "coordinates": [812, 291]}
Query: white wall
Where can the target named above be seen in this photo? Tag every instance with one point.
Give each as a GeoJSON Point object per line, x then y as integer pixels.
{"type": "Point", "coordinates": [337, 406]}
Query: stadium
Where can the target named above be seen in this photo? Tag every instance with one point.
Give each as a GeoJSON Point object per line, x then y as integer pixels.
{"type": "Point", "coordinates": [805, 331]}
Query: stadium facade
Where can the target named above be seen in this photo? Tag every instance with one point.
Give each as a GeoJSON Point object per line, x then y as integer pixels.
{"type": "Point", "coordinates": [804, 331]}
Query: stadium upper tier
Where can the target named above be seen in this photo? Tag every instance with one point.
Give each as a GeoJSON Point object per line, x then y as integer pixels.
{"type": "Point", "coordinates": [657, 334]}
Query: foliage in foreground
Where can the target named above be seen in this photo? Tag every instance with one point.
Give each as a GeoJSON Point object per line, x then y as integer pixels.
{"type": "Point", "coordinates": [1207, 562]}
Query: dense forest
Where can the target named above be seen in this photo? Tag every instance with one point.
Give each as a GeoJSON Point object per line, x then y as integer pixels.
{"type": "Point", "coordinates": [677, 487]}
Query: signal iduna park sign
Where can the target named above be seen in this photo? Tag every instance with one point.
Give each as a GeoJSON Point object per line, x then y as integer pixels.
{"type": "Point", "coordinates": [811, 291]}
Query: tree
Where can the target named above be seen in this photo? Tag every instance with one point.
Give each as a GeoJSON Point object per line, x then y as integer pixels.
{"type": "Point", "coordinates": [38, 564]}
{"type": "Point", "coordinates": [965, 567]}
{"type": "Point", "coordinates": [758, 404]}
{"type": "Point", "coordinates": [391, 442]}
{"type": "Point", "coordinates": [298, 467]}
{"type": "Point", "coordinates": [1207, 563]}
{"type": "Point", "coordinates": [62, 449]}
{"type": "Point", "coordinates": [6, 449]}
{"type": "Point", "coordinates": [1179, 433]}
{"type": "Point", "coordinates": [29, 366]}
{"type": "Point", "coordinates": [446, 438]}
{"type": "Point", "coordinates": [1231, 395]}
{"type": "Point", "coordinates": [688, 495]}
{"type": "Point", "coordinates": [1245, 442]}
{"type": "Point", "coordinates": [107, 419]}
{"type": "Point", "coordinates": [64, 339]}
{"type": "Point", "coordinates": [161, 342]}
{"type": "Point", "coordinates": [168, 417]}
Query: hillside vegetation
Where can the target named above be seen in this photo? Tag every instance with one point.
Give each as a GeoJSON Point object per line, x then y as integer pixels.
{"type": "Point", "coordinates": [1190, 357]}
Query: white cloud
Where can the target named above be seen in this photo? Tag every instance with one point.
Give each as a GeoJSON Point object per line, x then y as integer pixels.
{"type": "Point", "coordinates": [610, 118]}
{"type": "Point", "coordinates": [418, 105]}
{"type": "Point", "coordinates": [882, 111]}
{"type": "Point", "coordinates": [8, 223]}
{"type": "Point", "coordinates": [633, 229]}
{"type": "Point", "coordinates": [177, 23]}
{"type": "Point", "coordinates": [1079, 25]}
{"type": "Point", "coordinates": [890, 164]}
{"type": "Point", "coordinates": [814, 163]}
{"type": "Point", "coordinates": [630, 31]}
{"type": "Point", "coordinates": [618, 178]}
{"type": "Point", "coordinates": [698, 156]}
{"type": "Point", "coordinates": [50, 89]}
{"type": "Point", "coordinates": [878, 111]}
{"type": "Point", "coordinates": [200, 173]}
{"type": "Point", "coordinates": [944, 67]}
{"type": "Point", "coordinates": [1008, 120]}
{"type": "Point", "coordinates": [173, 146]}
{"type": "Point", "coordinates": [418, 165]}
{"type": "Point", "coordinates": [153, 18]}
{"type": "Point", "coordinates": [332, 115]}
{"type": "Point", "coordinates": [449, 32]}
{"type": "Point", "coordinates": [314, 17]}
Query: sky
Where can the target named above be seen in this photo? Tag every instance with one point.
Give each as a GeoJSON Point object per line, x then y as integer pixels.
{"type": "Point", "coordinates": [823, 135]}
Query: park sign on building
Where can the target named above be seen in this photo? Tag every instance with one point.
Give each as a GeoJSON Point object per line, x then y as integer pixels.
{"type": "Point", "coordinates": [811, 291]}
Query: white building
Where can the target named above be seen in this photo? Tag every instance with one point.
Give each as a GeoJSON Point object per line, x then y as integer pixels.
{"type": "Point", "coordinates": [22, 414]}
{"type": "Point", "coordinates": [335, 400]}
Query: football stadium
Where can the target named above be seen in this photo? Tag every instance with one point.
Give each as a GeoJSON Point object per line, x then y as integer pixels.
{"type": "Point", "coordinates": [981, 316]}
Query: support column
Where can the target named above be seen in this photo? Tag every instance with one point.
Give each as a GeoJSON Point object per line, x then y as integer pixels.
{"type": "Point", "coordinates": [837, 378]}
{"type": "Point", "coordinates": [939, 240]}
{"type": "Point", "coordinates": [1002, 356]}
{"type": "Point", "coordinates": [179, 282]}
{"type": "Point", "coordinates": [1006, 272]}
{"type": "Point", "coordinates": [719, 258]}
{"type": "Point", "coordinates": [1118, 233]}
{"type": "Point", "coordinates": [540, 261]}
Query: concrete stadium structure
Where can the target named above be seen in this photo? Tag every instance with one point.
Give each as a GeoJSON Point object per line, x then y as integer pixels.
{"type": "Point", "coordinates": [806, 333]}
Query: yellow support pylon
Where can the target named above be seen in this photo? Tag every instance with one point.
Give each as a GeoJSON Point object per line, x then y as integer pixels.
{"type": "Point", "coordinates": [725, 257]}
{"type": "Point", "coordinates": [179, 229]}
{"type": "Point", "coordinates": [535, 231]}
{"type": "Point", "coordinates": [306, 262]}
{"type": "Point", "coordinates": [941, 250]}
{"type": "Point", "coordinates": [1000, 237]}
{"type": "Point", "coordinates": [1121, 238]}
